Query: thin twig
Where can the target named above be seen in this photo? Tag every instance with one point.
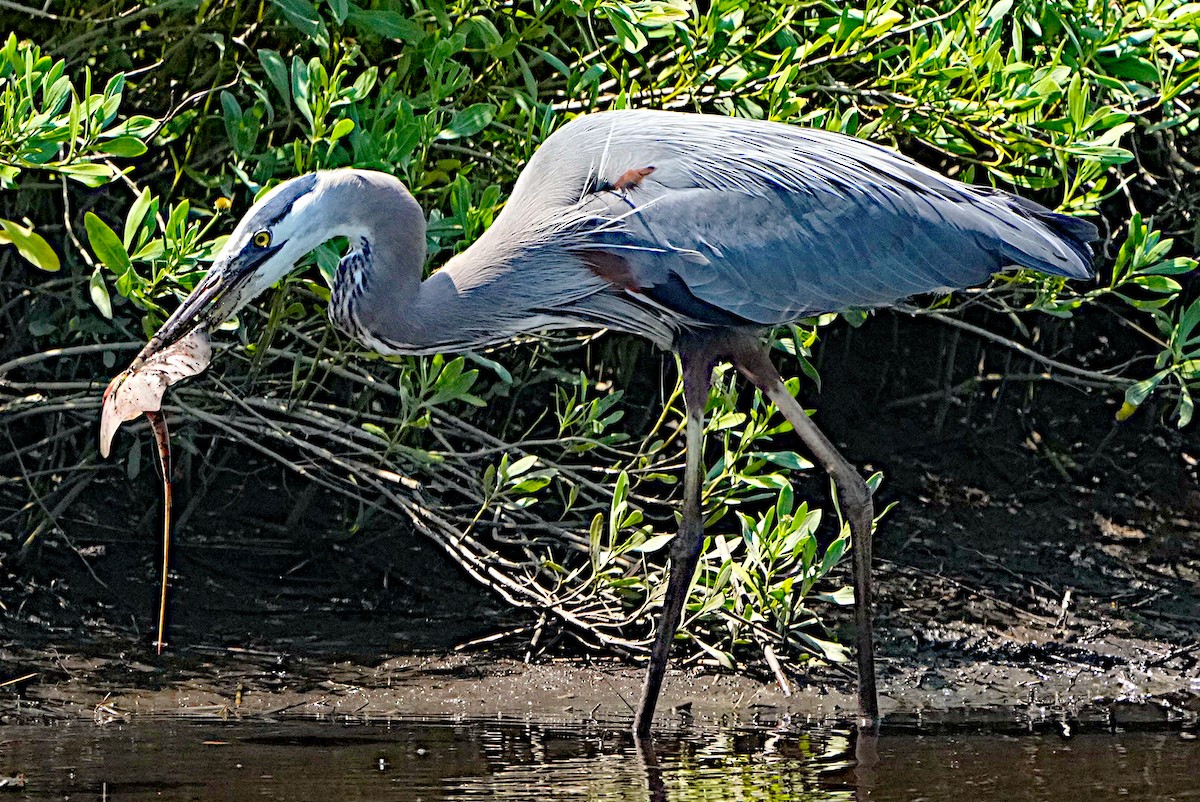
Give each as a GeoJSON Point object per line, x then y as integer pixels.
{"type": "Point", "coordinates": [1093, 375]}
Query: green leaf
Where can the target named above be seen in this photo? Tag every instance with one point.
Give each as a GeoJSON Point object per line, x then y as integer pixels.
{"type": "Point", "coordinates": [300, 88]}
{"type": "Point", "coordinates": [99, 292]}
{"type": "Point", "coordinates": [107, 111]}
{"type": "Point", "coordinates": [786, 459]}
{"type": "Point", "coordinates": [233, 114]}
{"type": "Point", "coordinates": [302, 15]}
{"type": "Point", "coordinates": [175, 127]}
{"type": "Point", "coordinates": [340, 129]}
{"type": "Point", "coordinates": [123, 147]}
{"type": "Point", "coordinates": [106, 244]}
{"type": "Point", "coordinates": [842, 597]}
{"type": "Point", "coordinates": [521, 466]}
{"type": "Point", "coordinates": [137, 214]}
{"type": "Point", "coordinates": [1186, 407]}
{"type": "Point", "coordinates": [1171, 267]}
{"type": "Point", "coordinates": [594, 534]}
{"type": "Point", "coordinates": [30, 245]}
{"type": "Point", "coordinates": [41, 328]}
{"type": "Point", "coordinates": [177, 222]}
{"type": "Point", "coordinates": [74, 118]}
{"type": "Point", "coordinates": [8, 175]}
{"type": "Point", "coordinates": [376, 430]}
{"type": "Point", "coordinates": [1131, 68]}
{"type": "Point", "coordinates": [722, 658]}
{"type": "Point", "coordinates": [364, 83]}
{"type": "Point", "coordinates": [1136, 394]}
{"type": "Point", "coordinates": [627, 34]}
{"type": "Point", "coordinates": [386, 25]}
{"type": "Point", "coordinates": [655, 543]}
{"type": "Point", "coordinates": [833, 553]}
{"type": "Point", "coordinates": [88, 174]}
{"type": "Point", "coordinates": [115, 85]}
{"type": "Point", "coordinates": [1101, 153]}
{"type": "Point", "coordinates": [554, 61]}
{"type": "Point", "coordinates": [469, 121]}
{"type": "Point", "coordinates": [1157, 283]}
{"type": "Point", "coordinates": [138, 126]}
{"type": "Point", "coordinates": [276, 71]}
{"type": "Point", "coordinates": [492, 365]}
{"type": "Point", "coordinates": [1077, 102]}
{"type": "Point", "coordinates": [833, 652]}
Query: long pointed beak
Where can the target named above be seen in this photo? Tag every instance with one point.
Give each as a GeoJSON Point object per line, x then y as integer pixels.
{"type": "Point", "coordinates": [217, 297]}
{"type": "Point", "coordinates": [196, 310]}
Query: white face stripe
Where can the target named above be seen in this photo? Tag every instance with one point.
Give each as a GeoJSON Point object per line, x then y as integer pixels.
{"type": "Point", "coordinates": [313, 217]}
{"type": "Point", "coordinates": [294, 221]}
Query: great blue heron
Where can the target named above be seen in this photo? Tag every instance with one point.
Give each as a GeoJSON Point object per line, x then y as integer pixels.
{"type": "Point", "coordinates": [697, 232]}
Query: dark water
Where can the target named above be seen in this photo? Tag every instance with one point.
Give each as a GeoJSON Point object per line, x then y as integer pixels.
{"type": "Point", "coordinates": [411, 760]}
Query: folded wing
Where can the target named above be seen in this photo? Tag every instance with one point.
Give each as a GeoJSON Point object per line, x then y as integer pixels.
{"type": "Point", "coordinates": [728, 220]}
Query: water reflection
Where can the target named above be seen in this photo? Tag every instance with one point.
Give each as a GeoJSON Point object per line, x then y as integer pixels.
{"type": "Point", "coordinates": [505, 760]}
{"type": "Point", "coordinates": [412, 760]}
{"type": "Point", "coordinates": [1093, 767]}
{"type": "Point", "coordinates": [610, 767]}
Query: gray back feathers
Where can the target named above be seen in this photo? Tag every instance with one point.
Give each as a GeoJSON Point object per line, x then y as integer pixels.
{"type": "Point", "coordinates": [658, 222]}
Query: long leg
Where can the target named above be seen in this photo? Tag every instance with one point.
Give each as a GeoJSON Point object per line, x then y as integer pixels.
{"type": "Point", "coordinates": [855, 498]}
{"type": "Point", "coordinates": [685, 547]}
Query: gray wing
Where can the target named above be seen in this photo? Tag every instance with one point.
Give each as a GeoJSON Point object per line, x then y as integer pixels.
{"type": "Point", "coordinates": [750, 221]}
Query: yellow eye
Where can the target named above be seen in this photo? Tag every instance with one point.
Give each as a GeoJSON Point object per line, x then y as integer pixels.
{"type": "Point", "coordinates": [262, 238]}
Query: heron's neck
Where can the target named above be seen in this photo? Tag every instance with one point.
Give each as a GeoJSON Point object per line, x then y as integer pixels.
{"type": "Point", "coordinates": [379, 298]}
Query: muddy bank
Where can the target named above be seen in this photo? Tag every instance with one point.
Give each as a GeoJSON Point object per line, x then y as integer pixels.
{"type": "Point", "coordinates": [236, 685]}
{"type": "Point", "coordinates": [952, 651]}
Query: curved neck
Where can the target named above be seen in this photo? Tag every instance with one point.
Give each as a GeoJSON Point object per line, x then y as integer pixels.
{"type": "Point", "coordinates": [427, 317]}
{"type": "Point", "coordinates": [378, 296]}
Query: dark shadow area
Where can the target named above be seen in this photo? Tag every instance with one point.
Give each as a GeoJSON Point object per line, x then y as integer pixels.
{"type": "Point", "coordinates": [1031, 529]}
{"type": "Point", "coordinates": [260, 561]}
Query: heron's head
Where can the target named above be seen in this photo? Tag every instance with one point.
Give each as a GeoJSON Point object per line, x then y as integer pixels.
{"type": "Point", "coordinates": [279, 230]}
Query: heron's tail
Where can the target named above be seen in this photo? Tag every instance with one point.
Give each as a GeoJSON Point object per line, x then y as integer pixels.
{"type": "Point", "coordinates": [1072, 232]}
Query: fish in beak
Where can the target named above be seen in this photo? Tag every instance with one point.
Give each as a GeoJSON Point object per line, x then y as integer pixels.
{"type": "Point", "coordinates": [263, 248]}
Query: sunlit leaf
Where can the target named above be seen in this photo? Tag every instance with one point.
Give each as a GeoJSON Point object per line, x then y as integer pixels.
{"type": "Point", "coordinates": [99, 294]}
{"type": "Point", "coordinates": [106, 244]}
{"type": "Point", "coordinates": [137, 214]}
{"type": "Point", "coordinates": [340, 129]}
{"type": "Point", "coordinates": [32, 247]}
{"type": "Point", "coordinates": [91, 175]}
{"type": "Point", "coordinates": [123, 146]}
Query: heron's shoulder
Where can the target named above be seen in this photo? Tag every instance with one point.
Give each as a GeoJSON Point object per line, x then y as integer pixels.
{"type": "Point", "coordinates": [716, 151]}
